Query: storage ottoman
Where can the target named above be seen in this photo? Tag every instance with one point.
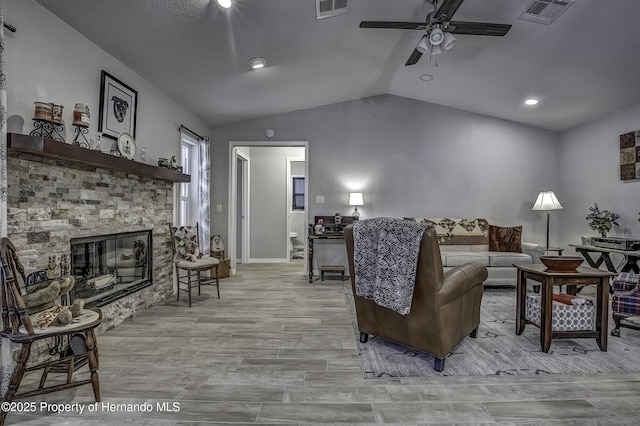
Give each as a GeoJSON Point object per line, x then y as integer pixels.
{"type": "Point", "coordinates": [564, 317]}
{"type": "Point", "coordinates": [224, 268]}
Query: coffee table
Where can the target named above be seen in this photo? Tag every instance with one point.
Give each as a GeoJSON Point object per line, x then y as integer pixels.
{"type": "Point", "coordinates": [548, 279]}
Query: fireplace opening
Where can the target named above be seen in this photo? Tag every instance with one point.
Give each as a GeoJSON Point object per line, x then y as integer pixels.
{"type": "Point", "coordinates": [109, 267]}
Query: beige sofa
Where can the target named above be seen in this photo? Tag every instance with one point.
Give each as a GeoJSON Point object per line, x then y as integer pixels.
{"type": "Point", "coordinates": [466, 240]}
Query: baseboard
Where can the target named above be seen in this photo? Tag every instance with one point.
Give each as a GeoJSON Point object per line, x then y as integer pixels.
{"type": "Point", "coordinates": [267, 260]}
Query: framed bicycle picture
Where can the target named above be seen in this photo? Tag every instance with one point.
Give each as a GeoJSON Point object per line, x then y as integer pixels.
{"type": "Point", "coordinates": [118, 107]}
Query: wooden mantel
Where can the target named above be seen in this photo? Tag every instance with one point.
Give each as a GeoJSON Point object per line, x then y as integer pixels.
{"type": "Point", "coordinates": [46, 147]}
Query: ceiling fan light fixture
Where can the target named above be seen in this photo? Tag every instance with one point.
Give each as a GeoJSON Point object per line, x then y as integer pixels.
{"type": "Point", "coordinates": [436, 49]}
{"type": "Point", "coordinates": [436, 37]}
{"type": "Point", "coordinates": [224, 3]}
{"type": "Point", "coordinates": [449, 41]}
{"type": "Point", "coordinates": [423, 44]}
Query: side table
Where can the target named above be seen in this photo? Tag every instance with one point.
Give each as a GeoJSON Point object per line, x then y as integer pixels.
{"type": "Point", "coordinates": [572, 279]}
{"type": "Point", "coordinates": [630, 262]}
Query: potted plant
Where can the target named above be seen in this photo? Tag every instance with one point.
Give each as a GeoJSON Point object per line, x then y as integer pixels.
{"type": "Point", "coordinates": [601, 220]}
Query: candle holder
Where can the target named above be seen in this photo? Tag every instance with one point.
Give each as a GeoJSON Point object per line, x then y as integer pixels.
{"type": "Point", "coordinates": [81, 139]}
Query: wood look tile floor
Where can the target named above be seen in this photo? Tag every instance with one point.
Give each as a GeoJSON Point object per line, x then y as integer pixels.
{"type": "Point", "coordinates": [276, 349]}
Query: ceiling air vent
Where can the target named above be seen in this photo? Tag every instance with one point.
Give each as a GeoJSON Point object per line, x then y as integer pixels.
{"type": "Point", "coordinates": [545, 11]}
{"type": "Point", "coordinates": [328, 8]}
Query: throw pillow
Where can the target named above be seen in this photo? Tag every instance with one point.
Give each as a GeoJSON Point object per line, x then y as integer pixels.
{"type": "Point", "coordinates": [505, 238]}
{"type": "Point", "coordinates": [186, 242]}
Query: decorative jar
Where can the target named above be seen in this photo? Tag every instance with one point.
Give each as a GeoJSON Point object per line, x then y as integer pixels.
{"type": "Point", "coordinates": [56, 113]}
{"type": "Point", "coordinates": [81, 115]}
{"type": "Point", "coordinates": [43, 111]}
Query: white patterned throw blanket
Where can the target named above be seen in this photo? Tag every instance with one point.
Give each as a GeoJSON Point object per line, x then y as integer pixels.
{"type": "Point", "coordinates": [385, 261]}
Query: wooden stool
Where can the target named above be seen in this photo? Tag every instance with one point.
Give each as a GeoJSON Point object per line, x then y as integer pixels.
{"type": "Point", "coordinates": [338, 269]}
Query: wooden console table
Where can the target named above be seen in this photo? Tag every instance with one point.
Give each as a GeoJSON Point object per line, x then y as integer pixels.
{"type": "Point", "coordinates": [604, 256]}
{"type": "Point", "coordinates": [333, 231]}
{"type": "Point", "coordinates": [314, 237]}
{"type": "Point", "coordinates": [548, 279]}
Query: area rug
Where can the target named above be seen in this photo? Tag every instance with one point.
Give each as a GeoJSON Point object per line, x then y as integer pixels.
{"type": "Point", "coordinates": [498, 350]}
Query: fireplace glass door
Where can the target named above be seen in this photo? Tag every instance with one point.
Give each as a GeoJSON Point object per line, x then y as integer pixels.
{"type": "Point", "coordinates": [108, 267]}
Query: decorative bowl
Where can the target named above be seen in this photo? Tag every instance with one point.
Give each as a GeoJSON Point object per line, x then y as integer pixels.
{"type": "Point", "coordinates": [562, 263]}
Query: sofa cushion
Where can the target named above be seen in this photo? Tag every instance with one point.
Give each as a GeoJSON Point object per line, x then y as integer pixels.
{"type": "Point", "coordinates": [459, 258]}
{"type": "Point", "coordinates": [502, 258]}
{"type": "Point", "coordinates": [505, 238]}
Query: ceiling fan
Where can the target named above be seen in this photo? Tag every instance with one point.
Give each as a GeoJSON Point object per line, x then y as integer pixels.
{"type": "Point", "coordinates": [439, 29]}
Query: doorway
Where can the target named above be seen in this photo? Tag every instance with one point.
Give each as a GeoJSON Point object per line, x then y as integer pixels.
{"type": "Point", "coordinates": [242, 206]}
{"type": "Point", "coordinates": [261, 193]}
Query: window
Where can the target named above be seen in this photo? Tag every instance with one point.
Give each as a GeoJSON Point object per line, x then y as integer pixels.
{"type": "Point", "coordinates": [189, 203]}
{"type": "Point", "coordinates": [184, 187]}
{"type": "Point", "coordinates": [298, 193]}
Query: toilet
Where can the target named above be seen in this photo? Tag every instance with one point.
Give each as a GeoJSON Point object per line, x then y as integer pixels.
{"type": "Point", "coordinates": [292, 239]}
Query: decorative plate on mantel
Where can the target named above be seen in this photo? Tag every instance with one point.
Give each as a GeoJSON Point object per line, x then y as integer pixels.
{"type": "Point", "coordinates": [127, 146]}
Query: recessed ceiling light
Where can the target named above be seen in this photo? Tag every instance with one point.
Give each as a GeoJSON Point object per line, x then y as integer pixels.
{"type": "Point", "coordinates": [531, 102]}
{"type": "Point", "coordinates": [256, 63]}
{"type": "Point", "coordinates": [426, 77]}
{"type": "Point", "coordinates": [225, 3]}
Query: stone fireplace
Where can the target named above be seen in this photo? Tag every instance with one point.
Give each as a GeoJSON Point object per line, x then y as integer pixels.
{"type": "Point", "coordinates": [60, 195]}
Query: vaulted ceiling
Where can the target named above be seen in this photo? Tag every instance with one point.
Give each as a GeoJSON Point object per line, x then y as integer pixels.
{"type": "Point", "coordinates": [582, 66]}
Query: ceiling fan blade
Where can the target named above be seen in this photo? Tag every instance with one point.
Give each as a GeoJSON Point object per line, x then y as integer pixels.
{"type": "Point", "coordinates": [394, 25]}
{"type": "Point", "coordinates": [447, 8]}
{"type": "Point", "coordinates": [414, 58]}
{"type": "Point", "coordinates": [478, 28]}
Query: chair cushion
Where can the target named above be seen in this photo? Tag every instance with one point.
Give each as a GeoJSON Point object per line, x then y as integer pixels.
{"type": "Point", "coordinates": [626, 297]}
{"type": "Point", "coordinates": [203, 262]}
{"type": "Point", "coordinates": [625, 281]}
{"type": "Point", "coordinates": [502, 258]}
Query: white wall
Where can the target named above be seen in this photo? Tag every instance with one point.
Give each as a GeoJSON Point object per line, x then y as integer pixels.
{"type": "Point", "coordinates": [590, 173]}
{"type": "Point", "coordinates": [47, 60]}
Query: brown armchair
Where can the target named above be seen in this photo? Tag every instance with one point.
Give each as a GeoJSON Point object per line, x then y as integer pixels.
{"type": "Point", "coordinates": [445, 307]}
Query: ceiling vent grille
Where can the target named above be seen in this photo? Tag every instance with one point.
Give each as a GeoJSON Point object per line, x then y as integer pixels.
{"type": "Point", "coordinates": [545, 11]}
{"type": "Point", "coordinates": [328, 8]}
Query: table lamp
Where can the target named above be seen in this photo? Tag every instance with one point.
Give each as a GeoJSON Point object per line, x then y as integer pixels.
{"type": "Point", "coordinates": [355, 199]}
{"type": "Point", "coordinates": [547, 200]}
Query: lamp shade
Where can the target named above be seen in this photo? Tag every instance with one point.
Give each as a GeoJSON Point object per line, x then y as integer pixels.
{"type": "Point", "coordinates": [547, 200]}
{"type": "Point", "coordinates": [449, 41]}
{"type": "Point", "coordinates": [355, 199]}
{"type": "Point", "coordinates": [436, 37]}
{"type": "Point", "coordinates": [423, 45]}
{"type": "Point", "coordinates": [436, 49]}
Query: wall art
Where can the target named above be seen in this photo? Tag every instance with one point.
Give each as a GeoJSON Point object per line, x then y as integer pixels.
{"type": "Point", "coordinates": [630, 155]}
{"type": "Point", "coordinates": [118, 107]}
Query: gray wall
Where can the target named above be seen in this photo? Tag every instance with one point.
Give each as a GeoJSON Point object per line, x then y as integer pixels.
{"type": "Point", "coordinates": [46, 60]}
{"type": "Point", "coordinates": [409, 158]}
{"type": "Point", "coordinates": [590, 173]}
